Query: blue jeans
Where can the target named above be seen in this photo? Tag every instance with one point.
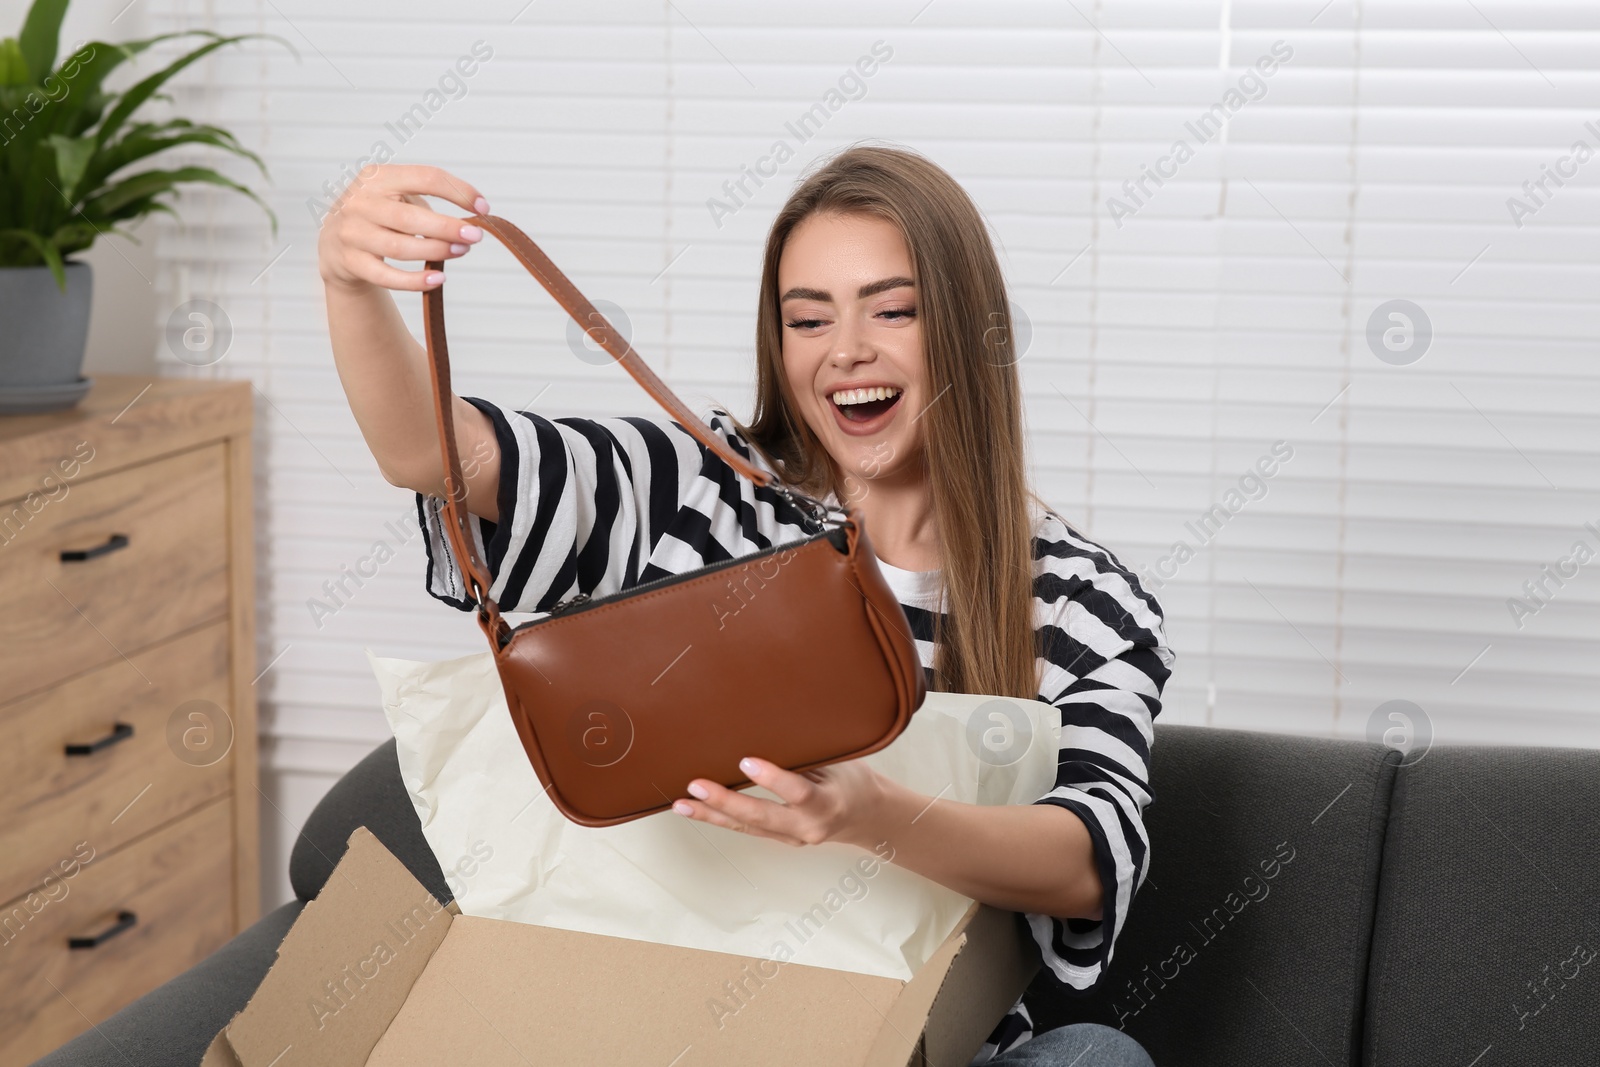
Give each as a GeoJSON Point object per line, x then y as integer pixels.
{"type": "Point", "coordinates": [1077, 1045]}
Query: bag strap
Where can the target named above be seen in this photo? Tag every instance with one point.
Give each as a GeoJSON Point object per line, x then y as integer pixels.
{"type": "Point", "coordinates": [577, 305]}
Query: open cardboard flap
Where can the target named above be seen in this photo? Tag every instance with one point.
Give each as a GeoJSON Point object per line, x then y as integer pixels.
{"type": "Point", "coordinates": [375, 971]}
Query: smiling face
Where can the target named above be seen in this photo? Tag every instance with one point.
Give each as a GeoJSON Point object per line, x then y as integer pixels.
{"type": "Point", "coordinates": [848, 299]}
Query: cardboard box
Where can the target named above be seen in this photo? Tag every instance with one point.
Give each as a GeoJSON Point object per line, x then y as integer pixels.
{"type": "Point", "coordinates": [375, 971]}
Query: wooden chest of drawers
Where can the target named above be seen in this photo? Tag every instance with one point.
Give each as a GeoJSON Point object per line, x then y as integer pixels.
{"type": "Point", "coordinates": [128, 801]}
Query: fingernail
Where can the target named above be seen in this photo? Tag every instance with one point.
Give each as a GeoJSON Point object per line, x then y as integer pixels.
{"type": "Point", "coordinates": [698, 791]}
{"type": "Point", "coordinates": [458, 249]}
{"type": "Point", "coordinates": [749, 766]}
{"type": "Point", "coordinates": [433, 277]}
{"type": "Point", "coordinates": [681, 808]}
{"type": "Point", "coordinates": [481, 206]}
{"type": "Point", "coordinates": [471, 233]}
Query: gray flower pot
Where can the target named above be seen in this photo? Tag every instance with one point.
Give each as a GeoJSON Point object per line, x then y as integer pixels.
{"type": "Point", "coordinates": [43, 337]}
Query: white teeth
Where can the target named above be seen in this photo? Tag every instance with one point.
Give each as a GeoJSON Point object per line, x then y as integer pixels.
{"type": "Point", "coordinates": [863, 396]}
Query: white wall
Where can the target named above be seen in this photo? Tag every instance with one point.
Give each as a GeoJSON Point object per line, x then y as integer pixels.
{"type": "Point", "coordinates": [1176, 335]}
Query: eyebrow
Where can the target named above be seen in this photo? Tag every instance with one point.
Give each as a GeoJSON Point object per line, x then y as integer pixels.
{"type": "Point", "coordinates": [870, 289]}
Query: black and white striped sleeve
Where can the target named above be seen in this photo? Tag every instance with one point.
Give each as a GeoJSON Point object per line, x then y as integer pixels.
{"type": "Point", "coordinates": [581, 503]}
{"type": "Point", "coordinates": [1107, 661]}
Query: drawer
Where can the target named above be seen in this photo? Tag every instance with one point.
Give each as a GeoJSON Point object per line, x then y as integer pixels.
{"type": "Point", "coordinates": [65, 617]}
{"type": "Point", "coordinates": [165, 763]}
{"type": "Point", "coordinates": [176, 883]}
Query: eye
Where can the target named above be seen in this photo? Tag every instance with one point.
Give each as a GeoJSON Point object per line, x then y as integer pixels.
{"type": "Point", "coordinates": [804, 324]}
{"type": "Point", "coordinates": [899, 314]}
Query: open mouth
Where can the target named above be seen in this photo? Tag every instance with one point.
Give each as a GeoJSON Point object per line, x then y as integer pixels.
{"type": "Point", "coordinates": [858, 408]}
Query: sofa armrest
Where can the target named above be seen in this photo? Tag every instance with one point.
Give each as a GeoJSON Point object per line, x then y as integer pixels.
{"type": "Point", "coordinates": [371, 794]}
{"type": "Point", "coordinates": [171, 1025]}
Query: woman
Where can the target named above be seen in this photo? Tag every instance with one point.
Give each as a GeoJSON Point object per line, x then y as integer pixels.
{"type": "Point", "coordinates": [886, 379]}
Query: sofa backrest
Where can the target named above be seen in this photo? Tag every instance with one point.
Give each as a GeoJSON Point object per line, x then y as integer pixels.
{"type": "Point", "coordinates": [1486, 943]}
{"type": "Point", "coordinates": [1249, 941]}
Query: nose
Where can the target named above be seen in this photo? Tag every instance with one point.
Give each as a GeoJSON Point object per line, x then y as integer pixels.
{"type": "Point", "coordinates": [850, 342]}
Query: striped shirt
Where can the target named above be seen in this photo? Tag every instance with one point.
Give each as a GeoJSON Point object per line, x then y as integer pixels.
{"type": "Point", "coordinates": [599, 505]}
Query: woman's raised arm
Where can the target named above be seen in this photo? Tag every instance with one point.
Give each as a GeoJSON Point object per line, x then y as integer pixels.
{"type": "Point", "coordinates": [383, 369]}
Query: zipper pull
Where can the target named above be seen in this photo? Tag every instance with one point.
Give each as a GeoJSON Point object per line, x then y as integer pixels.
{"type": "Point", "coordinates": [565, 604]}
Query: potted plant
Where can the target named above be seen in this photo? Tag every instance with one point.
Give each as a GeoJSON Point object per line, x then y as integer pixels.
{"type": "Point", "coordinates": [66, 146]}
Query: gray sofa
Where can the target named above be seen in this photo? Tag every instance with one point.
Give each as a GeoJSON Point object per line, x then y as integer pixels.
{"type": "Point", "coordinates": [1310, 902]}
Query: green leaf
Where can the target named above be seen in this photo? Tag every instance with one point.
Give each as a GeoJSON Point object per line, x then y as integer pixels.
{"type": "Point", "coordinates": [147, 183]}
{"type": "Point", "coordinates": [72, 157]}
{"type": "Point", "coordinates": [38, 201]}
{"type": "Point", "coordinates": [75, 236]}
{"type": "Point", "coordinates": [111, 203]}
{"type": "Point", "coordinates": [138, 94]}
{"type": "Point", "coordinates": [149, 207]}
{"type": "Point", "coordinates": [137, 210]}
{"type": "Point", "coordinates": [103, 58]}
{"type": "Point", "coordinates": [13, 68]}
{"type": "Point", "coordinates": [146, 139]}
{"type": "Point", "coordinates": [46, 251]}
{"type": "Point", "coordinates": [41, 32]}
{"type": "Point", "coordinates": [86, 75]}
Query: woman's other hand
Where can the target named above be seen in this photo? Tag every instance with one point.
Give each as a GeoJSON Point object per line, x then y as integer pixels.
{"type": "Point", "coordinates": [1031, 858]}
{"type": "Point", "coordinates": [839, 802]}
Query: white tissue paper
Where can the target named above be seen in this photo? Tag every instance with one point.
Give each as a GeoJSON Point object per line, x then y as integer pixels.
{"type": "Point", "coordinates": [507, 853]}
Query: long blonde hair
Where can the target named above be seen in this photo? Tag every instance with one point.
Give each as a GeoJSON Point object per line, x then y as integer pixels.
{"type": "Point", "coordinates": [974, 436]}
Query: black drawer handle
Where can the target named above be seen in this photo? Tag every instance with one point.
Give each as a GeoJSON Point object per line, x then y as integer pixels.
{"type": "Point", "coordinates": [120, 732]}
{"type": "Point", "coordinates": [114, 542]}
{"type": "Point", "coordinates": [125, 921]}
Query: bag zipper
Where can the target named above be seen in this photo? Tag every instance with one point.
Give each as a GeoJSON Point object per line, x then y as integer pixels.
{"type": "Point", "coordinates": [583, 601]}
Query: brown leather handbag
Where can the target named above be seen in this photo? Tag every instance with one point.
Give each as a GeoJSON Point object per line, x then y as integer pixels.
{"type": "Point", "coordinates": [798, 654]}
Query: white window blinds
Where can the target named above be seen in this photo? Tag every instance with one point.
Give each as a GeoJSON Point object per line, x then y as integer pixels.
{"type": "Point", "coordinates": [1309, 290]}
